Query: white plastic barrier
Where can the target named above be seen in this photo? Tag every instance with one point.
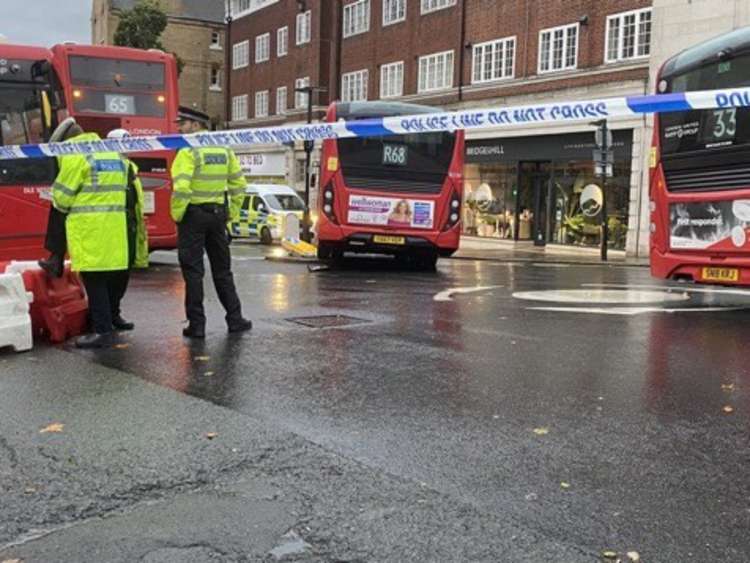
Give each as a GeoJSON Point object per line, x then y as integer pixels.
{"type": "Point", "coordinates": [15, 320]}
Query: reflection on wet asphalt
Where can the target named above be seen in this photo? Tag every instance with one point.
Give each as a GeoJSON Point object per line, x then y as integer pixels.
{"type": "Point", "coordinates": [449, 392]}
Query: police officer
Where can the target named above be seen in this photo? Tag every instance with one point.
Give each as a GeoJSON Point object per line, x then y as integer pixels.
{"type": "Point", "coordinates": [91, 191]}
{"type": "Point", "coordinates": [204, 180]}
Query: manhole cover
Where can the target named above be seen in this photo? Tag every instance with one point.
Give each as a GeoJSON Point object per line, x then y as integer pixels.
{"type": "Point", "coordinates": [326, 321]}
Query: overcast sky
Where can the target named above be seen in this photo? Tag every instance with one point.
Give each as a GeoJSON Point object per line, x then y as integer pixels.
{"type": "Point", "coordinates": [46, 22]}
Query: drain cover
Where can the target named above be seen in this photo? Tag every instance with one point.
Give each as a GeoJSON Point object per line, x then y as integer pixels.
{"type": "Point", "coordinates": [326, 321]}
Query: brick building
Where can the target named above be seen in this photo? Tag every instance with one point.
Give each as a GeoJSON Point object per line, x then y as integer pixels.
{"type": "Point", "coordinates": [468, 53]}
{"type": "Point", "coordinates": [196, 32]}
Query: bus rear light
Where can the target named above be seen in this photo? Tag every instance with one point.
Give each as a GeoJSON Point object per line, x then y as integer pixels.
{"type": "Point", "coordinates": [161, 99]}
{"type": "Point", "coordinates": [455, 213]}
{"type": "Point", "coordinates": [77, 94]}
{"type": "Point", "coordinates": [328, 205]}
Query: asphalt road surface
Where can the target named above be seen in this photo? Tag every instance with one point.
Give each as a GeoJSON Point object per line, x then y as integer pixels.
{"type": "Point", "coordinates": [538, 411]}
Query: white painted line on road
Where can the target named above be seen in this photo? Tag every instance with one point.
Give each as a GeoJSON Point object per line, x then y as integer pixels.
{"type": "Point", "coordinates": [448, 294]}
{"type": "Point", "coordinates": [690, 289]}
{"type": "Point", "coordinates": [631, 311]}
{"type": "Point", "coordinates": [602, 296]}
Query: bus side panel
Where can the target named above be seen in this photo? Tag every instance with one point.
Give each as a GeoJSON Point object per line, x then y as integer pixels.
{"type": "Point", "coordinates": [23, 222]}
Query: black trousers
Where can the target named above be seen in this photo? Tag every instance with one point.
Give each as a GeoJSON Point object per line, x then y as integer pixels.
{"type": "Point", "coordinates": [105, 291]}
{"type": "Point", "coordinates": [55, 240]}
{"type": "Point", "coordinates": [204, 228]}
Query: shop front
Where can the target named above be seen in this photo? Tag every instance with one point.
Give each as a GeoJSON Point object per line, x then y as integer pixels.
{"type": "Point", "coordinates": [544, 189]}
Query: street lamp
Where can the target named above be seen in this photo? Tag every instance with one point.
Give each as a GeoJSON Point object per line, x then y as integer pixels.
{"type": "Point", "coordinates": [308, 152]}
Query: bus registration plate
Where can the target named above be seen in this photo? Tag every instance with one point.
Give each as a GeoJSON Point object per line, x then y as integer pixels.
{"type": "Point", "coordinates": [149, 202]}
{"type": "Point", "coordinates": [382, 239]}
{"type": "Point", "coordinates": [721, 274]}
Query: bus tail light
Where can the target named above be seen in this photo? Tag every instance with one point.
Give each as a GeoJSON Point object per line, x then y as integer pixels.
{"type": "Point", "coordinates": [328, 203]}
{"type": "Point", "coordinates": [454, 213]}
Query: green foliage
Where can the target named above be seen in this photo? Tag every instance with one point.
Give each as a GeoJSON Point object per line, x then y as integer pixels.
{"type": "Point", "coordinates": [142, 26]}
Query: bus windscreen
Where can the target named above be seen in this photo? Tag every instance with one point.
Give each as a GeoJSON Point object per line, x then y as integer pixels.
{"type": "Point", "coordinates": [98, 72]}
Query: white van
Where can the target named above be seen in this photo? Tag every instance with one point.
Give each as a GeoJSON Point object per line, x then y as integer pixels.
{"type": "Point", "coordinates": [263, 210]}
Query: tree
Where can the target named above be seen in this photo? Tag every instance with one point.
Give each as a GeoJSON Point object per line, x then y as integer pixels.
{"type": "Point", "coordinates": [141, 27]}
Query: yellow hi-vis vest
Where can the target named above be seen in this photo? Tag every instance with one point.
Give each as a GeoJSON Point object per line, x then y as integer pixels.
{"type": "Point", "coordinates": [90, 190]}
{"type": "Point", "coordinates": [204, 175]}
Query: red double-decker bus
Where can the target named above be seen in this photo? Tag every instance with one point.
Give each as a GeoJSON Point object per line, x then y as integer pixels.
{"type": "Point", "coordinates": [398, 195]}
{"type": "Point", "coordinates": [700, 170]}
{"type": "Point", "coordinates": [104, 88]}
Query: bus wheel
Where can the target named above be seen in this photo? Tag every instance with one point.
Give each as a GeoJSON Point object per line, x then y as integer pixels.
{"type": "Point", "coordinates": [265, 236]}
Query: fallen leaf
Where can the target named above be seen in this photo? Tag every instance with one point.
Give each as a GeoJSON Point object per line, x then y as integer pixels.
{"type": "Point", "coordinates": [202, 358]}
{"type": "Point", "coordinates": [208, 373]}
{"type": "Point", "coordinates": [609, 554]}
{"type": "Point", "coordinates": [211, 435]}
{"type": "Point", "coordinates": [633, 555]}
{"type": "Point", "coordinates": [728, 409]}
{"type": "Point", "coordinates": [122, 346]}
{"type": "Point", "coordinates": [727, 387]}
{"type": "Point", "coordinates": [541, 431]}
{"type": "Point", "coordinates": [564, 485]}
{"type": "Point", "coordinates": [54, 427]}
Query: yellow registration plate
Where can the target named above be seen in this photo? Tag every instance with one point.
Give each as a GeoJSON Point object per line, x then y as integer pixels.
{"type": "Point", "coordinates": [721, 274]}
{"type": "Point", "coordinates": [382, 239]}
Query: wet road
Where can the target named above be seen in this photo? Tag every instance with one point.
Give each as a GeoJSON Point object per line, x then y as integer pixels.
{"type": "Point", "coordinates": [597, 418]}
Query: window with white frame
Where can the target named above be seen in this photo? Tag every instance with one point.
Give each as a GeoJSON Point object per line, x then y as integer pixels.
{"type": "Point", "coordinates": [628, 36]}
{"type": "Point", "coordinates": [394, 11]}
{"type": "Point", "coordinates": [392, 80]}
{"type": "Point", "coordinates": [215, 78]}
{"type": "Point", "coordinates": [356, 18]}
{"type": "Point", "coordinates": [281, 100]}
{"type": "Point", "coordinates": [261, 103]}
{"type": "Point", "coordinates": [300, 98]}
{"type": "Point", "coordinates": [493, 60]}
{"type": "Point", "coordinates": [304, 21]}
{"type": "Point", "coordinates": [215, 40]}
{"type": "Point", "coordinates": [262, 48]}
{"type": "Point", "coordinates": [435, 72]}
{"type": "Point", "coordinates": [239, 108]}
{"type": "Point", "coordinates": [354, 86]}
{"type": "Point", "coordinates": [240, 8]}
{"type": "Point", "coordinates": [434, 5]}
{"type": "Point", "coordinates": [558, 48]}
{"type": "Point", "coordinates": [240, 54]}
{"type": "Point", "coordinates": [282, 41]}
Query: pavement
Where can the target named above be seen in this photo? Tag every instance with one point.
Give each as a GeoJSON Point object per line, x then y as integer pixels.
{"type": "Point", "coordinates": [493, 411]}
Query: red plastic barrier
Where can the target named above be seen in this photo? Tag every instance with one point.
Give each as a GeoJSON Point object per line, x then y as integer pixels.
{"type": "Point", "coordinates": [60, 308]}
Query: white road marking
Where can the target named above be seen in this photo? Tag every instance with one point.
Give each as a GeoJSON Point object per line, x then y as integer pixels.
{"type": "Point", "coordinates": [448, 294]}
{"type": "Point", "coordinates": [602, 296]}
{"type": "Point", "coordinates": [686, 288]}
{"type": "Point", "coordinates": [631, 311]}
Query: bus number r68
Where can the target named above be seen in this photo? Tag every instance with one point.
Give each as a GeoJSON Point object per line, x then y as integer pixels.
{"type": "Point", "coordinates": [394, 155]}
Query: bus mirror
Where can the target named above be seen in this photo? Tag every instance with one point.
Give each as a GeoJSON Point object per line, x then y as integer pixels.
{"type": "Point", "coordinates": [46, 110]}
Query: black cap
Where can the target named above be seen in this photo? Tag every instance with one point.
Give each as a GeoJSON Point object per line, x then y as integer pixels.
{"type": "Point", "coordinates": [185, 113]}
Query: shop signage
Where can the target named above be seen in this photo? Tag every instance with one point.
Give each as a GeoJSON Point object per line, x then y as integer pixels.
{"type": "Point", "coordinates": [263, 164]}
{"type": "Point", "coordinates": [572, 146]}
{"type": "Point", "coordinates": [592, 199]}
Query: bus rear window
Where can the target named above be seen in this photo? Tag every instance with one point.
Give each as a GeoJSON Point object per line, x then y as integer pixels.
{"type": "Point", "coordinates": [121, 74]}
{"type": "Point", "coordinates": [695, 130]}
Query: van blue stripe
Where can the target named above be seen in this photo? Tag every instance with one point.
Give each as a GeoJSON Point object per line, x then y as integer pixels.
{"type": "Point", "coordinates": [173, 142]}
{"type": "Point", "coordinates": [661, 102]}
{"type": "Point", "coordinates": [368, 128]}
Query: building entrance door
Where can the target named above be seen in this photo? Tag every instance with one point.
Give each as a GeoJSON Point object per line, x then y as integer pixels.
{"type": "Point", "coordinates": [532, 204]}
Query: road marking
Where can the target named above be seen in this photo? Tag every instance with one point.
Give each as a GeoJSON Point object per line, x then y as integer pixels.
{"type": "Point", "coordinates": [631, 311]}
{"type": "Point", "coordinates": [448, 294]}
{"type": "Point", "coordinates": [719, 290]}
{"type": "Point", "coordinates": [602, 296]}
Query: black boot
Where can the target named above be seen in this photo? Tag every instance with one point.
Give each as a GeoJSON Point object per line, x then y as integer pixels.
{"type": "Point", "coordinates": [121, 324]}
{"type": "Point", "coordinates": [243, 325]}
{"type": "Point", "coordinates": [95, 340]}
{"type": "Point", "coordinates": [53, 265]}
{"type": "Point", "coordinates": [194, 332]}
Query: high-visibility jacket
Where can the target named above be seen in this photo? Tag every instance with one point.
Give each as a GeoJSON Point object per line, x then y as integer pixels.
{"type": "Point", "coordinates": [205, 175]}
{"type": "Point", "coordinates": [141, 238]}
{"type": "Point", "coordinates": [90, 190]}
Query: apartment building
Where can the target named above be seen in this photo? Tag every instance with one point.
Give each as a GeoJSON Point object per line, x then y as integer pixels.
{"type": "Point", "coordinates": [468, 53]}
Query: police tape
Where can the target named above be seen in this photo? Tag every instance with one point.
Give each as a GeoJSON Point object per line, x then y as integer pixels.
{"type": "Point", "coordinates": [440, 121]}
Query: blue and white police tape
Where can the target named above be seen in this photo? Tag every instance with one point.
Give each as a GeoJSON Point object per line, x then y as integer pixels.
{"type": "Point", "coordinates": [468, 120]}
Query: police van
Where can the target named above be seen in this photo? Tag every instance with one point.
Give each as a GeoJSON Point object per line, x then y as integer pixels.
{"type": "Point", "coordinates": [263, 211]}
